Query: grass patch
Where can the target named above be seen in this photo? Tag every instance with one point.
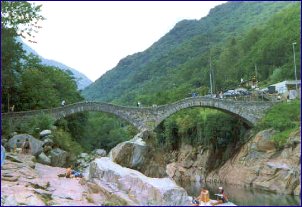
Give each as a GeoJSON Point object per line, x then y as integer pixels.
{"type": "Point", "coordinates": [284, 118]}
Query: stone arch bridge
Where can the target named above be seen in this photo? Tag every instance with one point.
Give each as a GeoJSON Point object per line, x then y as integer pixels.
{"type": "Point", "coordinates": [147, 118]}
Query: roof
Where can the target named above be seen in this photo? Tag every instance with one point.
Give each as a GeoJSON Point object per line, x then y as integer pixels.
{"type": "Point", "coordinates": [288, 82]}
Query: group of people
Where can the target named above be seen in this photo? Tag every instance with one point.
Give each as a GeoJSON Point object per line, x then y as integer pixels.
{"type": "Point", "coordinates": [204, 197]}
{"type": "Point", "coordinates": [73, 173]}
{"type": "Point", "coordinates": [24, 148]}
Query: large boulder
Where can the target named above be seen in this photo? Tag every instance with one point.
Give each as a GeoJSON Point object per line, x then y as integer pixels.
{"type": "Point", "coordinates": [19, 139]}
{"type": "Point", "coordinates": [58, 157]}
{"type": "Point", "coordinates": [133, 187]}
{"type": "Point", "coordinates": [130, 153]}
{"type": "Point", "coordinates": [43, 159]}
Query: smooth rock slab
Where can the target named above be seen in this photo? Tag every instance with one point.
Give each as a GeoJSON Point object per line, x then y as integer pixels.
{"type": "Point", "coordinates": [137, 187]}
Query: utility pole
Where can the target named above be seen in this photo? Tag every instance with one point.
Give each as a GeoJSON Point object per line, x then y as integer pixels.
{"type": "Point", "coordinates": [256, 85]}
{"type": "Point", "coordinates": [211, 81]}
{"type": "Point", "coordinates": [256, 71]}
{"type": "Point", "coordinates": [211, 73]}
{"type": "Point", "coordinates": [295, 65]}
{"type": "Point", "coordinates": [211, 85]}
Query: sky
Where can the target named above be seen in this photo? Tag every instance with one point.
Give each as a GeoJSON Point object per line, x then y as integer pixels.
{"type": "Point", "coordinates": [93, 36]}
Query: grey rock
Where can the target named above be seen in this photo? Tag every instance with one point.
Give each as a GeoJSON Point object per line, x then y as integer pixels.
{"type": "Point", "coordinates": [83, 155]}
{"type": "Point", "coordinates": [48, 142]}
{"type": "Point", "coordinates": [43, 159]}
{"type": "Point", "coordinates": [130, 153]}
{"type": "Point", "coordinates": [58, 157]}
{"type": "Point", "coordinates": [282, 166]}
{"type": "Point", "coordinates": [45, 133]}
{"type": "Point", "coordinates": [143, 190]}
{"type": "Point", "coordinates": [100, 152]}
{"type": "Point", "coordinates": [19, 139]}
{"type": "Point", "coordinates": [10, 201]}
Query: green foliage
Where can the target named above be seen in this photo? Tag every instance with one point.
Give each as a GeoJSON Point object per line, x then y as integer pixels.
{"type": "Point", "coordinates": [32, 126]}
{"type": "Point", "coordinates": [281, 138]}
{"type": "Point", "coordinates": [178, 64]}
{"type": "Point", "coordinates": [18, 18]}
{"type": "Point", "coordinates": [201, 127]}
{"type": "Point", "coordinates": [44, 87]}
{"type": "Point", "coordinates": [284, 118]}
{"type": "Point", "coordinates": [66, 142]}
{"type": "Point", "coordinates": [23, 17]}
{"type": "Point", "coordinates": [104, 131]}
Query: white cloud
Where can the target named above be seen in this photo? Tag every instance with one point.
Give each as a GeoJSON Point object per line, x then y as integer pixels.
{"type": "Point", "coordinates": [93, 36]}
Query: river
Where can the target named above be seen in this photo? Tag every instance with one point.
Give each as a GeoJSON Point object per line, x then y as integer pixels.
{"type": "Point", "coordinates": [244, 196]}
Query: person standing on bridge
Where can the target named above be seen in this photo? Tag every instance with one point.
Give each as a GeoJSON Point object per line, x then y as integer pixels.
{"type": "Point", "coordinates": [63, 103]}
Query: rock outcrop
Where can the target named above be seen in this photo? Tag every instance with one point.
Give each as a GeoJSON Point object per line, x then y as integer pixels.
{"type": "Point", "coordinates": [19, 139]}
{"type": "Point", "coordinates": [131, 187]}
{"type": "Point", "coordinates": [259, 165]}
{"type": "Point", "coordinates": [190, 164]}
{"type": "Point", "coordinates": [26, 183]}
{"type": "Point", "coordinates": [58, 157]}
{"type": "Point", "coordinates": [131, 153]}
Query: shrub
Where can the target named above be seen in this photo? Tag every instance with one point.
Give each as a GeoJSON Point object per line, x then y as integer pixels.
{"type": "Point", "coordinates": [284, 118]}
{"type": "Point", "coordinates": [64, 140]}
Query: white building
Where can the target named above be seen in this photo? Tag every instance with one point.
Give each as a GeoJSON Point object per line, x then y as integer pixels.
{"type": "Point", "coordinates": [286, 86]}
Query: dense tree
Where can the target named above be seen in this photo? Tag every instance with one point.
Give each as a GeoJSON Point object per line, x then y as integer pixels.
{"type": "Point", "coordinates": [45, 87]}
{"type": "Point", "coordinates": [22, 17]}
{"type": "Point", "coordinates": [17, 19]}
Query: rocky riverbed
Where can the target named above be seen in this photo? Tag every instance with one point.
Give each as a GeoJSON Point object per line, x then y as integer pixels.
{"type": "Point", "coordinates": [25, 182]}
{"type": "Point", "coordinates": [258, 163]}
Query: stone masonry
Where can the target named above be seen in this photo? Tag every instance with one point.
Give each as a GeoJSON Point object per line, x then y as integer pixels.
{"type": "Point", "coordinates": [147, 118]}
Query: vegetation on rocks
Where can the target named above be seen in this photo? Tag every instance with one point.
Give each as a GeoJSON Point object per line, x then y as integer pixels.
{"type": "Point", "coordinates": [284, 118]}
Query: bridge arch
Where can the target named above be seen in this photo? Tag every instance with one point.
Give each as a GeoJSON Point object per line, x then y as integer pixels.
{"type": "Point", "coordinates": [150, 117]}
{"type": "Point", "coordinates": [248, 112]}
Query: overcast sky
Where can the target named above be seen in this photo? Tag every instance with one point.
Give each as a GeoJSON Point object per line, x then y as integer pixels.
{"type": "Point", "coordinates": [92, 37]}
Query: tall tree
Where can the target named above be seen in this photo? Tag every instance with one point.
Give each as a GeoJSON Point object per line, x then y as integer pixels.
{"type": "Point", "coordinates": [18, 18]}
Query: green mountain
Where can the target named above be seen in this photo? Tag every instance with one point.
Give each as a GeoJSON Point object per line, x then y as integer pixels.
{"type": "Point", "coordinates": [235, 36]}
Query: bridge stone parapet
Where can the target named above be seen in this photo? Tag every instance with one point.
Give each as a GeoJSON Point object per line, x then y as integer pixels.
{"type": "Point", "coordinates": [149, 117]}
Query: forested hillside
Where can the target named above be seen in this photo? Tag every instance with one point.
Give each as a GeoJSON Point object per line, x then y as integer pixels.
{"type": "Point", "coordinates": [235, 36]}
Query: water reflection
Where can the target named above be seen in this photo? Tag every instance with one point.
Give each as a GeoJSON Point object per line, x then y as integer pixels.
{"type": "Point", "coordinates": [244, 196]}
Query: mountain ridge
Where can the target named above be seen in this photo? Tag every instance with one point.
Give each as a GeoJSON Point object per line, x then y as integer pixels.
{"type": "Point", "coordinates": [189, 42]}
{"type": "Point", "coordinates": [81, 79]}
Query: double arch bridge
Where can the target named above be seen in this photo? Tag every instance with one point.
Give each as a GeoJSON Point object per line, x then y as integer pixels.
{"type": "Point", "coordinates": [147, 118]}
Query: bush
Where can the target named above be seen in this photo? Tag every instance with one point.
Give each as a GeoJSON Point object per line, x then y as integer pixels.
{"type": "Point", "coordinates": [31, 126]}
{"type": "Point", "coordinates": [284, 118]}
{"type": "Point", "coordinates": [64, 140]}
